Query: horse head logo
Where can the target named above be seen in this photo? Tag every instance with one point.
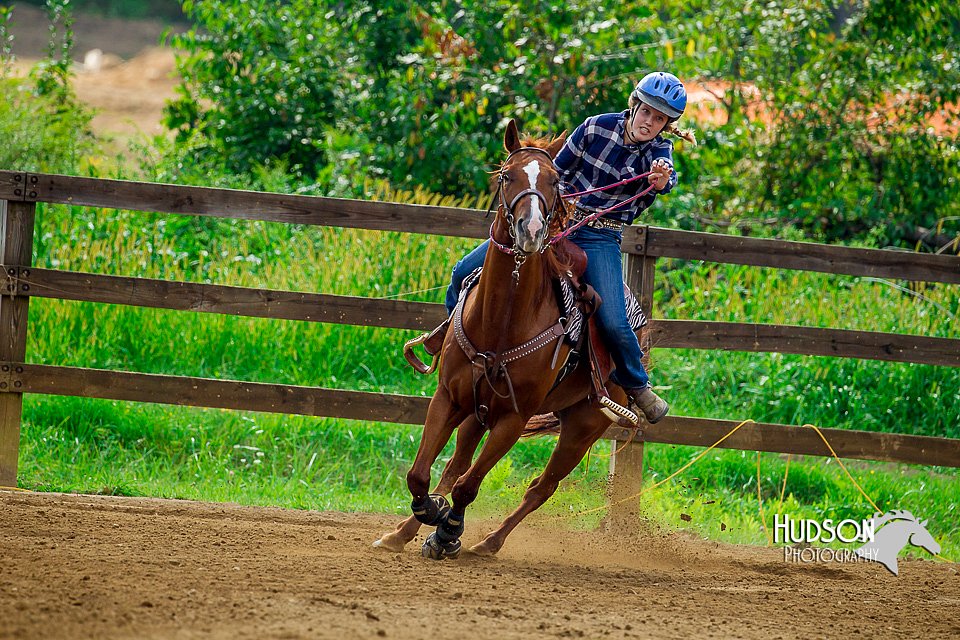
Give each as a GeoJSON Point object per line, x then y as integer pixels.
{"type": "Point", "coordinates": [892, 532]}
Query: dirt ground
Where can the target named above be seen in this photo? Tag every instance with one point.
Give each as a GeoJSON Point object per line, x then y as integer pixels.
{"type": "Point", "coordinates": [75, 566]}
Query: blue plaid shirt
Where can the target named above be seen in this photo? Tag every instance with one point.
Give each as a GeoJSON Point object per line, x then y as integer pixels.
{"type": "Point", "coordinates": [595, 156]}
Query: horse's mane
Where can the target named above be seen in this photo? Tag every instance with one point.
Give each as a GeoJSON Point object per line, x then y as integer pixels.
{"type": "Point", "coordinates": [898, 514]}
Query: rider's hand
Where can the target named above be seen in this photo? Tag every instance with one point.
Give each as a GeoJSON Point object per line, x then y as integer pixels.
{"type": "Point", "coordinates": [660, 174]}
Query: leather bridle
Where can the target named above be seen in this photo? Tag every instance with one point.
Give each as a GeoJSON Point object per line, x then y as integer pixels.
{"type": "Point", "coordinates": [508, 207]}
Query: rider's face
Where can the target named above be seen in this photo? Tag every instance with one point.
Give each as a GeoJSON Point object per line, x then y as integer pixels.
{"type": "Point", "coordinates": [647, 122]}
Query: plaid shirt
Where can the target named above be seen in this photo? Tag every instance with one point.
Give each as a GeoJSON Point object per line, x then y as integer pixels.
{"type": "Point", "coordinates": [595, 155]}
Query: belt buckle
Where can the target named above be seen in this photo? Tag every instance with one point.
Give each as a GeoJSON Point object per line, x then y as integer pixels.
{"type": "Point", "coordinates": [600, 223]}
{"type": "Point", "coordinates": [596, 223]}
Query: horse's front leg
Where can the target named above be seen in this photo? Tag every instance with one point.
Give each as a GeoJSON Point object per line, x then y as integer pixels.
{"type": "Point", "coordinates": [445, 542]}
{"type": "Point", "coordinates": [581, 426]}
{"type": "Point", "coordinates": [443, 415]}
{"type": "Point", "coordinates": [468, 437]}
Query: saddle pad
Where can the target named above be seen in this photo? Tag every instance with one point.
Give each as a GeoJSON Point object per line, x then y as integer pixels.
{"type": "Point", "coordinates": [574, 324]}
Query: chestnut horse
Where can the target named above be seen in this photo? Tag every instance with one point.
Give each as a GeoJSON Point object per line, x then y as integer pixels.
{"type": "Point", "coordinates": [512, 305]}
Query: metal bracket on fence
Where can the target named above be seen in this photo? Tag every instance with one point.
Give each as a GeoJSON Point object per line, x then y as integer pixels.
{"type": "Point", "coordinates": [11, 377]}
{"type": "Point", "coordinates": [15, 285]}
{"type": "Point", "coordinates": [641, 245]}
{"type": "Point", "coordinates": [26, 187]}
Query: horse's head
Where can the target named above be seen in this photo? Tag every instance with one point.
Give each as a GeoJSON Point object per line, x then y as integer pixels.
{"type": "Point", "coordinates": [529, 188]}
{"type": "Point", "coordinates": [920, 537]}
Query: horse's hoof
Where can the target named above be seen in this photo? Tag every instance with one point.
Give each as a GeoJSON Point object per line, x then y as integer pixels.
{"type": "Point", "coordinates": [435, 550]}
{"type": "Point", "coordinates": [389, 542]}
{"type": "Point", "coordinates": [482, 550]}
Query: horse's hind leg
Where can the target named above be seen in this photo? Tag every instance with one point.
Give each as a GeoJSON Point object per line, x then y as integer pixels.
{"type": "Point", "coordinates": [581, 426]}
{"type": "Point", "coordinates": [468, 437]}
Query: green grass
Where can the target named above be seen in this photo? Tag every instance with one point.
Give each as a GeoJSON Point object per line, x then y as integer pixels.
{"type": "Point", "coordinates": [121, 448]}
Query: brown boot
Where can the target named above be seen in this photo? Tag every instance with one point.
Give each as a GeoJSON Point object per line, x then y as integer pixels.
{"type": "Point", "coordinates": [432, 343]}
{"type": "Point", "coordinates": [434, 340]}
{"type": "Point", "coordinates": [652, 406]}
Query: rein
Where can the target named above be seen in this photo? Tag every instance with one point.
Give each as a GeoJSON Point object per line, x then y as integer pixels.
{"type": "Point", "coordinates": [593, 216]}
{"type": "Point", "coordinates": [519, 256]}
{"type": "Point", "coordinates": [609, 186]}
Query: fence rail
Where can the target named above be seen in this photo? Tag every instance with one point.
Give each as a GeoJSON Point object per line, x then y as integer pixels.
{"type": "Point", "coordinates": [19, 193]}
{"type": "Point", "coordinates": [403, 409]}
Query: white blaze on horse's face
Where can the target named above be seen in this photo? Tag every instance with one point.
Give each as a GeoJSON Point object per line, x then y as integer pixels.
{"type": "Point", "coordinates": [530, 229]}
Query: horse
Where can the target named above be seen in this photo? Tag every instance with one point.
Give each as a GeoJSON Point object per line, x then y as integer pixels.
{"type": "Point", "coordinates": [512, 311]}
{"type": "Point", "coordinates": [902, 527]}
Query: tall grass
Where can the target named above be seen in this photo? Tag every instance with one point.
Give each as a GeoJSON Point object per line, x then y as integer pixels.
{"type": "Point", "coordinates": [113, 447]}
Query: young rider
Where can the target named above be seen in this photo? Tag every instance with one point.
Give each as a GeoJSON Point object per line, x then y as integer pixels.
{"type": "Point", "coordinates": [606, 149]}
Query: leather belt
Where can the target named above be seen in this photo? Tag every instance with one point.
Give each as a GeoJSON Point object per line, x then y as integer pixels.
{"type": "Point", "coordinates": [600, 223]}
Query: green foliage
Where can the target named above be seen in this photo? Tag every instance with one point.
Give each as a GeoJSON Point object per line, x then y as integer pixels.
{"type": "Point", "coordinates": [43, 125]}
{"type": "Point", "coordinates": [826, 117]}
{"type": "Point", "coordinates": [849, 94]}
{"type": "Point", "coordinates": [477, 64]}
{"type": "Point", "coordinates": [6, 41]}
{"type": "Point", "coordinates": [261, 81]}
{"type": "Point", "coordinates": [419, 92]}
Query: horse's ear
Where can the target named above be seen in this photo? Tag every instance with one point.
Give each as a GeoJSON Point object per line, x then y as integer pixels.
{"type": "Point", "coordinates": [556, 144]}
{"type": "Point", "coordinates": [511, 138]}
{"type": "Point", "coordinates": [923, 524]}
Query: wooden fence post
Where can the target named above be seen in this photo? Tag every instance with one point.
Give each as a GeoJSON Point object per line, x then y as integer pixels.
{"type": "Point", "coordinates": [626, 467]}
{"type": "Point", "coordinates": [16, 250]}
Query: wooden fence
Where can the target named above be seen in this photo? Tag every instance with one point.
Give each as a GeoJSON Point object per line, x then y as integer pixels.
{"type": "Point", "coordinates": [19, 193]}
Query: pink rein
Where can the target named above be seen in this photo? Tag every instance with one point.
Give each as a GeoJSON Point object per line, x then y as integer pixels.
{"type": "Point", "coordinates": [593, 216]}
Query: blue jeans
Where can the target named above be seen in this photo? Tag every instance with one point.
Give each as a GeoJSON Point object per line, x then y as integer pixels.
{"type": "Point", "coordinates": [466, 265]}
{"type": "Point", "coordinates": [605, 274]}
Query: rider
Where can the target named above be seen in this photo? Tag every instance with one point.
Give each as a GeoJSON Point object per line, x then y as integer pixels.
{"type": "Point", "coordinates": [606, 149]}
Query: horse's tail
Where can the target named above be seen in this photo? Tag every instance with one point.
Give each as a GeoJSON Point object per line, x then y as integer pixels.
{"type": "Point", "coordinates": [541, 425]}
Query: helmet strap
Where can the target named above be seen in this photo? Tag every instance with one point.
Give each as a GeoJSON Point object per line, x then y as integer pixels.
{"type": "Point", "coordinates": [628, 125]}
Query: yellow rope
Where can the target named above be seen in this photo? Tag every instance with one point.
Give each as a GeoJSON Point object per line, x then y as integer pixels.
{"type": "Point", "coordinates": [783, 489]}
{"type": "Point", "coordinates": [633, 436]}
{"type": "Point", "coordinates": [842, 466]}
{"type": "Point", "coordinates": [654, 486]}
{"type": "Point", "coordinates": [2, 488]}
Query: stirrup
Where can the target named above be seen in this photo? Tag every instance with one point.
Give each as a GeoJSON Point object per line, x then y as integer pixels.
{"type": "Point", "coordinates": [617, 413]}
{"type": "Point", "coordinates": [412, 358]}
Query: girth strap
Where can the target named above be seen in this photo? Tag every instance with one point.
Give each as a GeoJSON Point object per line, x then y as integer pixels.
{"type": "Point", "coordinates": [484, 363]}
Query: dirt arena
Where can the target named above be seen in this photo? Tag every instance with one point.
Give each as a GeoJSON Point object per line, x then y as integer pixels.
{"type": "Point", "coordinates": [97, 567]}
{"type": "Point", "coordinates": [75, 566]}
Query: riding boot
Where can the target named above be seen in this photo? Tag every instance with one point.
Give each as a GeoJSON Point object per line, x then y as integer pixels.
{"type": "Point", "coordinates": [650, 404]}
{"type": "Point", "coordinates": [434, 340]}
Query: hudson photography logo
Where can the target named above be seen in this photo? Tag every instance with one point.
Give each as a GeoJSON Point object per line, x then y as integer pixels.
{"type": "Point", "coordinates": [880, 538]}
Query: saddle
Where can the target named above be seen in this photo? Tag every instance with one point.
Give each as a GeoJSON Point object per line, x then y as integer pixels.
{"type": "Point", "coordinates": [578, 302]}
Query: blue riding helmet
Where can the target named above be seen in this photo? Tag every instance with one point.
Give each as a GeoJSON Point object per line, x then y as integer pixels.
{"type": "Point", "coordinates": [664, 92]}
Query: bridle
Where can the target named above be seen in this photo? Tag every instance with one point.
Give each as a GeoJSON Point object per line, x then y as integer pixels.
{"type": "Point", "coordinates": [508, 207]}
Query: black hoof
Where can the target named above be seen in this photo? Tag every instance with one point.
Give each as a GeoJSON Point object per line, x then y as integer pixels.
{"type": "Point", "coordinates": [432, 510]}
{"type": "Point", "coordinates": [436, 550]}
